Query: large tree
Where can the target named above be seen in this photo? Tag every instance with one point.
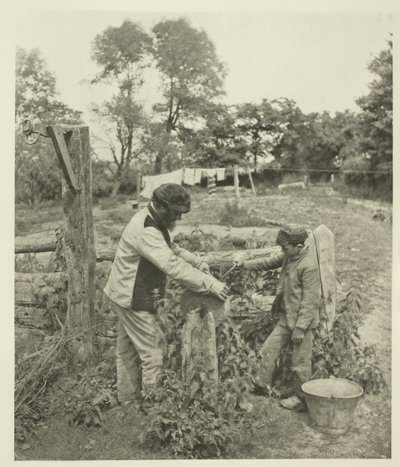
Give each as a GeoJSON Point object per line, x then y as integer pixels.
{"type": "Point", "coordinates": [122, 53]}
{"type": "Point", "coordinates": [368, 158]}
{"type": "Point", "coordinates": [37, 174]}
{"type": "Point", "coordinates": [216, 142]}
{"type": "Point", "coordinates": [377, 111]}
{"type": "Point", "coordinates": [191, 74]}
{"type": "Point", "coordinates": [258, 127]}
{"type": "Point", "coordinates": [324, 137]}
{"type": "Point", "coordinates": [291, 135]}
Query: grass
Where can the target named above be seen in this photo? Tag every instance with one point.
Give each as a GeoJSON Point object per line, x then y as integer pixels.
{"type": "Point", "coordinates": [28, 219]}
{"type": "Point", "coordinates": [363, 252]}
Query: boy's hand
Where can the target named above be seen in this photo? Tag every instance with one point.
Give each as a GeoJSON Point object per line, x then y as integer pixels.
{"type": "Point", "coordinates": [298, 336]}
{"type": "Point", "coordinates": [204, 267]}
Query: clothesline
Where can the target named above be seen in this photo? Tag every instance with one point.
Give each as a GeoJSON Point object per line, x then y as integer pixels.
{"type": "Point", "coordinates": [188, 176]}
{"type": "Point", "coordinates": [193, 176]}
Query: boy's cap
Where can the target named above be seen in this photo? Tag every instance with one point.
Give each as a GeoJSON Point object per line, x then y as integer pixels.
{"type": "Point", "coordinates": [291, 233]}
{"type": "Point", "coordinates": [174, 196]}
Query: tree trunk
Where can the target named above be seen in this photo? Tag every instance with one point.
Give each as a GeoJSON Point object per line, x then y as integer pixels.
{"type": "Point", "coordinates": [162, 152]}
{"type": "Point", "coordinates": [116, 186]}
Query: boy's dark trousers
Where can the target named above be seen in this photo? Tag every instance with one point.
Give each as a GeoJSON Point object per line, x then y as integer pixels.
{"type": "Point", "coordinates": [279, 338]}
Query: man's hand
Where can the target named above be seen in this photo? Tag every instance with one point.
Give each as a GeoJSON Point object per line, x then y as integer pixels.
{"type": "Point", "coordinates": [220, 290]}
{"type": "Point", "coordinates": [298, 336]}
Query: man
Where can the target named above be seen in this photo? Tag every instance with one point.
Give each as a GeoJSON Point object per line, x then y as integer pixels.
{"type": "Point", "coordinates": [145, 256]}
{"type": "Point", "coordinates": [298, 299]}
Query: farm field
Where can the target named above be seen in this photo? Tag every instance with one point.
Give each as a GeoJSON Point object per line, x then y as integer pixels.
{"type": "Point", "coordinates": [363, 253]}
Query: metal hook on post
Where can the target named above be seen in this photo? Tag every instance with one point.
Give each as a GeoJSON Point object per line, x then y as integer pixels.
{"type": "Point", "coordinates": [28, 130]}
{"type": "Point", "coordinates": [57, 134]}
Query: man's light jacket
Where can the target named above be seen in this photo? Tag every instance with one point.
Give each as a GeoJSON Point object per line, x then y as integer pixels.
{"type": "Point", "coordinates": [145, 255]}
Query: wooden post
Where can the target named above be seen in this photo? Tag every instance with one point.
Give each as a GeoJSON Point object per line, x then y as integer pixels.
{"type": "Point", "coordinates": [138, 183]}
{"type": "Point", "coordinates": [236, 183]}
{"type": "Point", "coordinates": [323, 241]}
{"type": "Point", "coordinates": [199, 353]}
{"type": "Point", "coordinates": [79, 250]}
{"type": "Point", "coordinates": [251, 182]}
{"type": "Point", "coordinates": [332, 178]}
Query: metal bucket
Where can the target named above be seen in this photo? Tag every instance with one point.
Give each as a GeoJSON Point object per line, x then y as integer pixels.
{"type": "Point", "coordinates": [331, 403]}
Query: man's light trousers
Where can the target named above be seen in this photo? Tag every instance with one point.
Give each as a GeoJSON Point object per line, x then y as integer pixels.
{"type": "Point", "coordinates": [141, 348]}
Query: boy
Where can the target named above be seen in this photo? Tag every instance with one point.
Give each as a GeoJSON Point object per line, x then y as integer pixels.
{"type": "Point", "coordinates": [298, 299]}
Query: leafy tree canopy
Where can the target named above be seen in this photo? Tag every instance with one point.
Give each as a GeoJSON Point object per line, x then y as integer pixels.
{"type": "Point", "coordinates": [36, 167]}
{"type": "Point", "coordinates": [377, 111]}
{"type": "Point", "coordinates": [121, 53]}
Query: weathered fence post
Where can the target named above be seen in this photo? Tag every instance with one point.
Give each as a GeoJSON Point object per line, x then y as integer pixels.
{"type": "Point", "coordinates": [79, 250]}
{"type": "Point", "coordinates": [199, 352]}
{"type": "Point", "coordinates": [72, 147]}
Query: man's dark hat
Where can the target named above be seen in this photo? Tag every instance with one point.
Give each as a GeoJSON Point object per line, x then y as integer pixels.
{"type": "Point", "coordinates": [173, 196]}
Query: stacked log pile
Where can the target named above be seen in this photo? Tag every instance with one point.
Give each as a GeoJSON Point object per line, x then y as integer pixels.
{"type": "Point", "coordinates": [29, 311]}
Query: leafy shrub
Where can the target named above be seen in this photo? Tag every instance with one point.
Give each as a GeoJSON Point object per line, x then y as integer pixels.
{"type": "Point", "coordinates": [128, 182]}
{"type": "Point", "coordinates": [201, 241]}
{"type": "Point", "coordinates": [198, 240]}
{"type": "Point", "coordinates": [190, 427]}
{"type": "Point", "coordinates": [361, 183]}
{"type": "Point", "coordinates": [102, 179]}
{"type": "Point", "coordinates": [198, 419]}
{"type": "Point", "coordinates": [341, 353]}
{"type": "Point", "coordinates": [91, 395]}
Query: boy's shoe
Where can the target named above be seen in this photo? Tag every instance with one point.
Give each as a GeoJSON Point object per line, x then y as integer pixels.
{"type": "Point", "coordinates": [126, 403]}
{"type": "Point", "coordinates": [259, 390]}
{"type": "Point", "coordinates": [293, 403]}
{"type": "Point", "coordinates": [148, 407]}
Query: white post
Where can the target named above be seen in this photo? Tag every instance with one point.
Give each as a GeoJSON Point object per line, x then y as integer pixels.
{"type": "Point", "coordinates": [236, 182]}
{"type": "Point", "coordinates": [251, 182]}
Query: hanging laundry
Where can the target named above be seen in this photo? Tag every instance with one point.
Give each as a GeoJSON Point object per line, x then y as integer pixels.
{"type": "Point", "coordinates": [189, 176]}
{"type": "Point", "coordinates": [220, 174]}
{"type": "Point", "coordinates": [151, 182]}
{"type": "Point", "coordinates": [211, 172]}
{"type": "Point", "coordinates": [198, 174]}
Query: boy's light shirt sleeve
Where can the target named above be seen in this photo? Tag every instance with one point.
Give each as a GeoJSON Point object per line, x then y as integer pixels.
{"type": "Point", "coordinates": [273, 262]}
{"type": "Point", "coordinates": [152, 246]}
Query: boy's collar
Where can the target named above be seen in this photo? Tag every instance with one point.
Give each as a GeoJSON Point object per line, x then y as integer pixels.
{"type": "Point", "coordinates": [300, 254]}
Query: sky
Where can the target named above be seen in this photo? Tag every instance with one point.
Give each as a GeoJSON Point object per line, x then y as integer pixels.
{"type": "Point", "coordinates": [318, 59]}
